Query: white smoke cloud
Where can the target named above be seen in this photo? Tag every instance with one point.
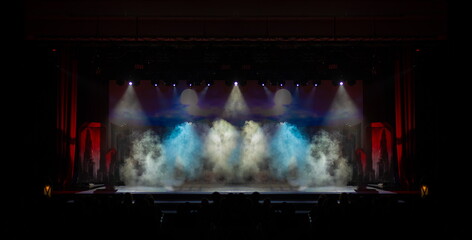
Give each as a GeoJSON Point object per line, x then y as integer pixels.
{"type": "Point", "coordinates": [224, 153]}
{"type": "Point", "coordinates": [325, 164]}
{"type": "Point", "coordinates": [220, 145]}
{"type": "Point", "coordinates": [146, 164]}
{"type": "Point", "coordinates": [253, 151]}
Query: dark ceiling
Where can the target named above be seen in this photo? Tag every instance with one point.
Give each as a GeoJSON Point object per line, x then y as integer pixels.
{"type": "Point", "coordinates": [186, 20]}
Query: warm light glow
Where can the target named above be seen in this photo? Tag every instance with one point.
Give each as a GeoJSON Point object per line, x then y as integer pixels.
{"type": "Point", "coordinates": [424, 191]}
{"type": "Point", "coordinates": [47, 190]}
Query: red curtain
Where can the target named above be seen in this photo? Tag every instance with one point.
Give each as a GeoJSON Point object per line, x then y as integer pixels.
{"type": "Point", "coordinates": [404, 115]}
{"type": "Point", "coordinates": [66, 113]}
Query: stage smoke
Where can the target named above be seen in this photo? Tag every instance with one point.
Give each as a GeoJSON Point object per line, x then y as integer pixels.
{"type": "Point", "coordinates": [221, 149]}
{"type": "Point", "coordinates": [304, 163]}
{"type": "Point", "coordinates": [325, 164]}
{"type": "Point", "coordinates": [233, 155]}
{"type": "Point", "coordinates": [288, 151]}
{"type": "Point", "coordinates": [183, 152]}
{"type": "Point", "coordinates": [146, 164]}
{"type": "Point", "coordinates": [253, 151]}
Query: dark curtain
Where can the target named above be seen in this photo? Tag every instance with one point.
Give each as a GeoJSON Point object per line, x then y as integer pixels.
{"type": "Point", "coordinates": [404, 116]}
{"type": "Point", "coordinates": [66, 116]}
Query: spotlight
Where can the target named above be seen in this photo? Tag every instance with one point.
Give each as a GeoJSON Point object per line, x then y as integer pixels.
{"type": "Point", "coordinates": [173, 83]}
{"type": "Point", "coordinates": [299, 83]}
{"type": "Point", "coordinates": [316, 83]}
{"type": "Point", "coordinates": [341, 83]}
{"type": "Point", "coordinates": [281, 83]}
{"type": "Point", "coordinates": [235, 83]}
{"type": "Point", "coordinates": [133, 83]}
{"type": "Point", "coordinates": [209, 82]}
{"type": "Point", "coordinates": [191, 83]}
{"type": "Point", "coordinates": [155, 83]}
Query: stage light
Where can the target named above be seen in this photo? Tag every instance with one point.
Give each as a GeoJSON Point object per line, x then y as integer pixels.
{"type": "Point", "coordinates": [341, 83]}
{"type": "Point", "coordinates": [191, 83]}
{"type": "Point", "coordinates": [134, 83]}
{"type": "Point", "coordinates": [299, 83]}
{"type": "Point", "coordinates": [235, 83]}
{"type": "Point", "coordinates": [155, 83]}
{"type": "Point", "coordinates": [316, 83]}
{"type": "Point", "coordinates": [281, 83]}
{"type": "Point", "coordinates": [209, 82]}
{"type": "Point", "coordinates": [173, 83]}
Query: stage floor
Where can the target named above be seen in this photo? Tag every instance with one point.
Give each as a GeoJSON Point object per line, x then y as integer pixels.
{"type": "Point", "coordinates": [195, 188]}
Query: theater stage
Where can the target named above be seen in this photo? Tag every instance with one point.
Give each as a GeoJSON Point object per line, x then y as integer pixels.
{"type": "Point", "coordinates": [206, 188]}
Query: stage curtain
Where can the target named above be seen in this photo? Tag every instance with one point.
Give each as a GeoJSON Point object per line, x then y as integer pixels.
{"type": "Point", "coordinates": [404, 115]}
{"type": "Point", "coordinates": [66, 113]}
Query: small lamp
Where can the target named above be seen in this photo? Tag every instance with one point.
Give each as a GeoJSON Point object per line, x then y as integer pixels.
{"type": "Point", "coordinates": [47, 190]}
{"type": "Point", "coordinates": [424, 191]}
